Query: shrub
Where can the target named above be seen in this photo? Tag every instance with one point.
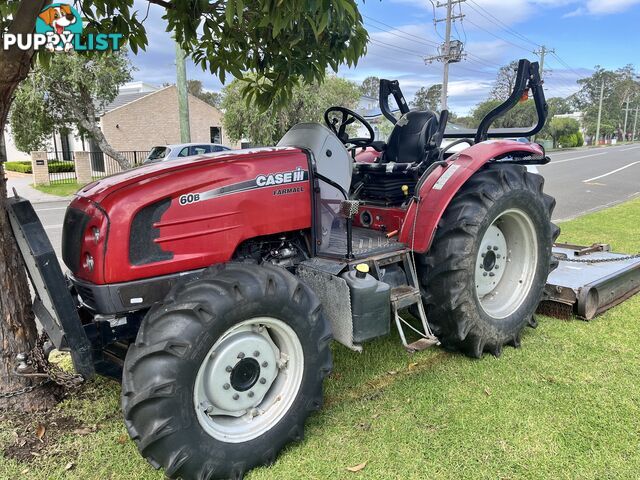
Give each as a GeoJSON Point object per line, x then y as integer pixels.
{"type": "Point", "coordinates": [22, 167]}
{"type": "Point", "coordinates": [580, 139]}
{"type": "Point", "coordinates": [568, 141]}
{"type": "Point", "coordinates": [61, 167]}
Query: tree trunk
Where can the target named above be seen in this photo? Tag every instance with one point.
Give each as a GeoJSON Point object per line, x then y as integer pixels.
{"type": "Point", "coordinates": [85, 116]}
{"type": "Point", "coordinates": [17, 326]}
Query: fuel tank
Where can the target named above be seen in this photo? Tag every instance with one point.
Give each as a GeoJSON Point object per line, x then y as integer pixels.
{"type": "Point", "coordinates": [183, 215]}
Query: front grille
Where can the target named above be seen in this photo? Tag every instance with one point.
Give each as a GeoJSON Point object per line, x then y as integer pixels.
{"type": "Point", "coordinates": [75, 224]}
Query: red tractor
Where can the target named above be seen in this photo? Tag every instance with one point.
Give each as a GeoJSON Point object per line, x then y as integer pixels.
{"type": "Point", "coordinates": [214, 286]}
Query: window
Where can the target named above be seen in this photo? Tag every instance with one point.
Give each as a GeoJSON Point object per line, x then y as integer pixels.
{"type": "Point", "coordinates": [216, 134]}
{"type": "Point", "coordinates": [200, 149]}
{"type": "Point", "coordinates": [157, 153]}
{"type": "Point", "coordinates": [184, 152]}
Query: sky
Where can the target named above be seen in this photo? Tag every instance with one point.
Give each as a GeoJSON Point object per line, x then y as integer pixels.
{"type": "Point", "coordinates": [583, 33]}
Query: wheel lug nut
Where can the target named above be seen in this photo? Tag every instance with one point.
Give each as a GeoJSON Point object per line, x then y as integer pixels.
{"type": "Point", "coordinates": [263, 381]}
{"type": "Point", "coordinates": [241, 355]}
{"type": "Point", "coordinates": [226, 386]}
{"type": "Point", "coordinates": [256, 353]}
{"type": "Point", "coordinates": [484, 274]}
{"type": "Point", "coordinates": [482, 255]}
{"type": "Point", "coordinates": [488, 247]}
{"type": "Point", "coordinates": [236, 396]}
{"type": "Point", "coordinates": [229, 368]}
{"type": "Point", "coordinates": [492, 274]}
{"type": "Point", "coordinates": [265, 364]}
{"type": "Point", "coordinates": [497, 267]}
{"type": "Point", "coordinates": [498, 255]}
{"type": "Point", "coordinates": [495, 248]}
{"type": "Point", "coordinates": [250, 394]}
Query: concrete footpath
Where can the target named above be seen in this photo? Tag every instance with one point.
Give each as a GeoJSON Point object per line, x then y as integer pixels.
{"type": "Point", "coordinates": [22, 183]}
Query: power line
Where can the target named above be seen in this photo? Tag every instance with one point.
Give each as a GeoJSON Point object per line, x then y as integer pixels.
{"type": "Point", "coordinates": [432, 44]}
{"type": "Point", "coordinates": [565, 64]}
{"type": "Point", "coordinates": [499, 37]}
{"type": "Point", "coordinates": [504, 26]}
{"type": "Point", "coordinates": [380, 43]}
{"type": "Point", "coordinates": [401, 31]}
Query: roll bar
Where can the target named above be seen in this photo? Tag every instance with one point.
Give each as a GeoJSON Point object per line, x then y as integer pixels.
{"type": "Point", "coordinates": [527, 78]}
{"type": "Point", "coordinates": [391, 87]}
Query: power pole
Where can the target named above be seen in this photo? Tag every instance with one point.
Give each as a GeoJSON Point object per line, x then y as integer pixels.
{"type": "Point", "coordinates": [635, 124]}
{"type": "Point", "coordinates": [183, 96]}
{"type": "Point", "coordinates": [541, 53]}
{"type": "Point", "coordinates": [599, 113]}
{"type": "Point", "coordinates": [626, 114]}
{"type": "Point", "coordinates": [450, 51]}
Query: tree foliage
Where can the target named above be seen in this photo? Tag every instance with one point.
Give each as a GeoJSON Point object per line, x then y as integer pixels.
{"type": "Point", "coordinates": [69, 93]}
{"type": "Point", "coordinates": [307, 104]}
{"type": "Point", "coordinates": [370, 87]}
{"type": "Point", "coordinates": [194, 87]}
{"type": "Point", "coordinates": [522, 115]}
{"type": "Point", "coordinates": [428, 98]}
{"type": "Point", "coordinates": [505, 81]}
{"type": "Point", "coordinates": [619, 85]}
{"type": "Point", "coordinates": [564, 131]}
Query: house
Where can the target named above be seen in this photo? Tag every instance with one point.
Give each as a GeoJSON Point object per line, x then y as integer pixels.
{"type": "Point", "coordinates": [140, 117]}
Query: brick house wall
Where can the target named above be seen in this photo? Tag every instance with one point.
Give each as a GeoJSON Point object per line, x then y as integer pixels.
{"type": "Point", "coordinates": [153, 120]}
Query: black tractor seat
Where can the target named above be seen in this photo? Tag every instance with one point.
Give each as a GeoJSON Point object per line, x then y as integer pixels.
{"type": "Point", "coordinates": [411, 138]}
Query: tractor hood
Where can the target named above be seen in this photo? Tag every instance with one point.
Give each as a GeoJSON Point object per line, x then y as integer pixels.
{"type": "Point", "coordinates": [177, 216]}
{"type": "Point", "coordinates": [98, 191]}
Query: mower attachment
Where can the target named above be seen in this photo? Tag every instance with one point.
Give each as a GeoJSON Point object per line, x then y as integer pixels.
{"type": "Point", "coordinates": [53, 304]}
{"type": "Point", "coordinates": [589, 281]}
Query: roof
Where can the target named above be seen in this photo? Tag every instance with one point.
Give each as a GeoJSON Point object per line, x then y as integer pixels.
{"type": "Point", "coordinates": [123, 99]}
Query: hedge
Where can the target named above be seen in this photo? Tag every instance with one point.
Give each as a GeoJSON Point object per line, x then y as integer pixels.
{"type": "Point", "coordinates": [59, 167]}
{"type": "Point", "coordinates": [54, 167]}
{"type": "Point", "coordinates": [22, 167]}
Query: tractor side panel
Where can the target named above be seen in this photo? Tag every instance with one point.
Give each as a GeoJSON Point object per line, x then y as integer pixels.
{"type": "Point", "coordinates": [197, 217]}
{"type": "Point", "coordinates": [443, 183]}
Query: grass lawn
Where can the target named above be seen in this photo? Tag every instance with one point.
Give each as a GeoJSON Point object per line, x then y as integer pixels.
{"type": "Point", "coordinates": [61, 190]}
{"type": "Point", "coordinates": [565, 405]}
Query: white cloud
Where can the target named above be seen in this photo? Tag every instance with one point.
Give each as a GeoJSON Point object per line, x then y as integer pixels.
{"type": "Point", "coordinates": [610, 6]}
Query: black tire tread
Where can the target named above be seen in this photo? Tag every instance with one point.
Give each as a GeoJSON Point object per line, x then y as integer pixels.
{"type": "Point", "coordinates": [158, 349]}
{"type": "Point", "coordinates": [447, 297]}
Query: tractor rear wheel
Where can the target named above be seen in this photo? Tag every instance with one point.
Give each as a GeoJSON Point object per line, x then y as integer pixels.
{"type": "Point", "coordinates": [224, 374]}
{"type": "Point", "coordinates": [486, 270]}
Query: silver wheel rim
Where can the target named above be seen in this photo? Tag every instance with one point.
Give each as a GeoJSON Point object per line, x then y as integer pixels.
{"type": "Point", "coordinates": [506, 263]}
{"type": "Point", "coordinates": [248, 380]}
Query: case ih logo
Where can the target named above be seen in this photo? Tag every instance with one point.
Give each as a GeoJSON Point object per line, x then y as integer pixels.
{"type": "Point", "coordinates": [261, 181]}
{"type": "Point", "coordinates": [59, 28]}
{"type": "Point", "coordinates": [297, 175]}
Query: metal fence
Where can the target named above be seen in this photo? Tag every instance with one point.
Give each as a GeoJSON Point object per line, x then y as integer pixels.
{"type": "Point", "coordinates": [103, 165]}
{"type": "Point", "coordinates": [62, 168]}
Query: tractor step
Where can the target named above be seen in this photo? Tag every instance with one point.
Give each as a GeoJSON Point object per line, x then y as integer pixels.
{"type": "Point", "coordinates": [405, 296]}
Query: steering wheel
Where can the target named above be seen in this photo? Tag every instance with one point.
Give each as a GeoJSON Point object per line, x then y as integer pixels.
{"type": "Point", "coordinates": [339, 126]}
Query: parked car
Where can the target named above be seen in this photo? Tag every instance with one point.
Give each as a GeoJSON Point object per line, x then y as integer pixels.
{"type": "Point", "coordinates": [162, 153]}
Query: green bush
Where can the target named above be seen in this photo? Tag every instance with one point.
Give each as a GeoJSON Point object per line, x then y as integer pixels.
{"type": "Point", "coordinates": [54, 167]}
{"type": "Point", "coordinates": [568, 141]}
{"type": "Point", "coordinates": [22, 167]}
{"type": "Point", "coordinates": [61, 167]}
{"type": "Point", "coordinates": [580, 139]}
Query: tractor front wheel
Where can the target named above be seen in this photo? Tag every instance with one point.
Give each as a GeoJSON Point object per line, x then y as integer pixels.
{"type": "Point", "coordinates": [224, 374]}
{"type": "Point", "coordinates": [486, 270]}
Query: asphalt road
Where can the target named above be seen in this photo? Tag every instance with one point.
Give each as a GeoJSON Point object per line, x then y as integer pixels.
{"type": "Point", "coordinates": [586, 180]}
{"type": "Point", "coordinates": [582, 181]}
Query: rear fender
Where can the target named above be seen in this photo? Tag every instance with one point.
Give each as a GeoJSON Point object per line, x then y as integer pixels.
{"type": "Point", "coordinates": [440, 186]}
